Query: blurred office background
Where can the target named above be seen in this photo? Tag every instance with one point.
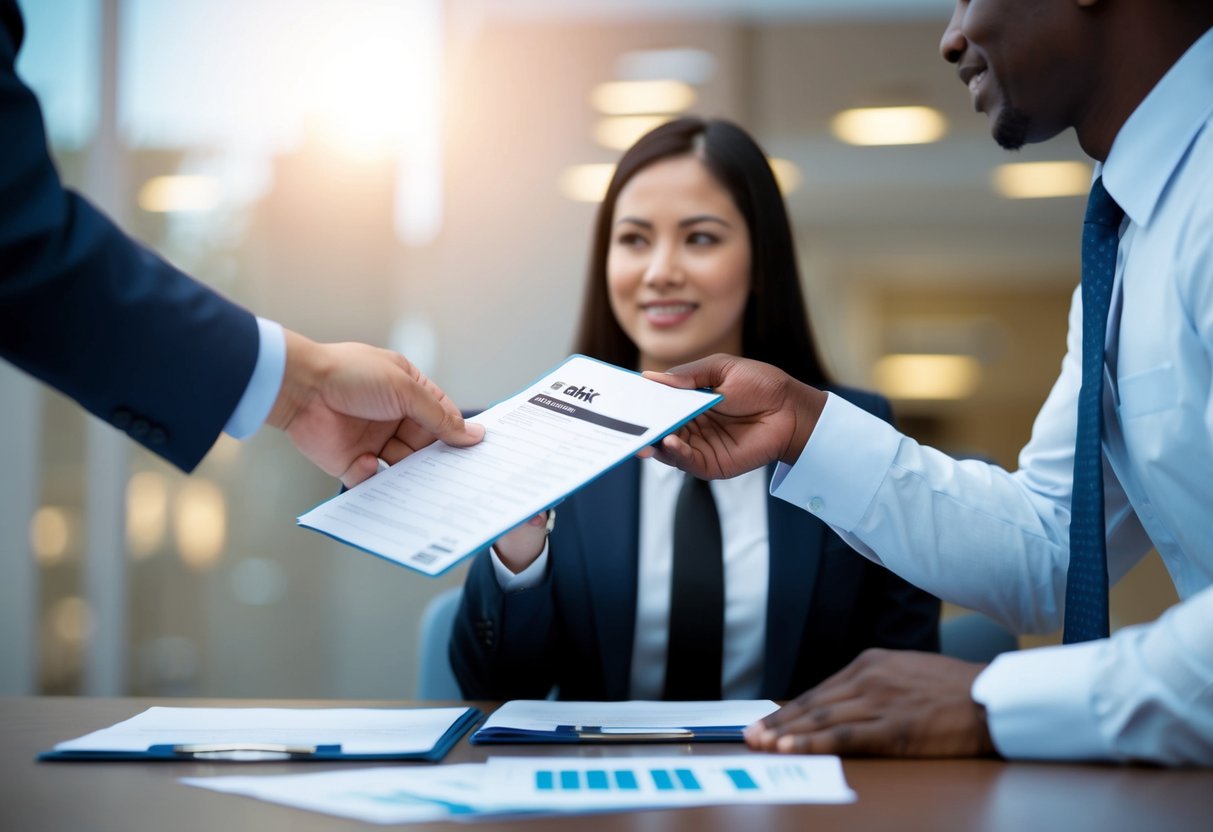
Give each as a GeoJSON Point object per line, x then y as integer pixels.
{"type": "Point", "coordinates": [422, 174]}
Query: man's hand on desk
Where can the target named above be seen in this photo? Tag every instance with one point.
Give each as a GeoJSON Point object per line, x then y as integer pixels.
{"type": "Point", "coordinates": [346, 406]}
{"type": "Point", "coordinates": [886, 703]}
{"type": "Point", "coordinates": [766, 415]}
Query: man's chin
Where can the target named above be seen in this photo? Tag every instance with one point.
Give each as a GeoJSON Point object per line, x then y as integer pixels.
{"type": "Point", "coordinates": [1010, 128]}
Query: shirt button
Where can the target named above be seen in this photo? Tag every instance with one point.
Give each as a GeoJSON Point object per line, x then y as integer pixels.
{"type": "Point", "coordinates": [816, 504]}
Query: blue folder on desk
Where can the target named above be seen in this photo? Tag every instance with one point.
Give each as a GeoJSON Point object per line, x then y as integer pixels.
{"type": "Point", "coordinates": [265, 734]}
{"type": "Point", "coordinates": [545, 721]}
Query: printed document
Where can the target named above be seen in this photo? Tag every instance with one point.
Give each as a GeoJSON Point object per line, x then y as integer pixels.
{"type": "Point", "coordinates": [355, 730]}
{"type": "Point", "coordinates": [441, 504]}
{"type": "Point", "coordinates": [551, 717]}
{"type": "Point", "coordinates": [514, 786]}
{"type": "Point", "coordinates": [604, 783]}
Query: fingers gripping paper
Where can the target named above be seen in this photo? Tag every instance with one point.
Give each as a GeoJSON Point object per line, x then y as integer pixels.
{"type": "Point", "coordinates": [441, 504]}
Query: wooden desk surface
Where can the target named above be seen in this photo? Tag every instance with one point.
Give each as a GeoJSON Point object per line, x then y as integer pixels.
{"type": "Point", "coordinates": [893, 794]}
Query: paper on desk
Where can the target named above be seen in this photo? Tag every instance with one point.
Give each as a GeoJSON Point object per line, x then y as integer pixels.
{"type": "Point", "coordinates": [544, 785]}
{"type": "Point", "coordinates": [441, 504]}
{"type": "Point", "coordinates": [605, 783]}
{"type": "Point", "coordinates": [546, 715]}
{"type": "Point", "coordinates": [374, 795]}
{"type": "Point", "coordinates": [356, 730]}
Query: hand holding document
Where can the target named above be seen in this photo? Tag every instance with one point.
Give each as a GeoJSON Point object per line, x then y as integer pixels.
{"type": "Point", "coordinates": [545, 721]}
{"type": "Point", "coordinates": [252, 734]}
{"type": "Point", "coordinates": [441, 504]}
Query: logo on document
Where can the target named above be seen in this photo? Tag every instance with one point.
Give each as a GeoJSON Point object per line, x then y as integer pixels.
{"type": "Point", "coordinates": [586, 394]}
{"type": "Point", "coordinates": [556, 385]}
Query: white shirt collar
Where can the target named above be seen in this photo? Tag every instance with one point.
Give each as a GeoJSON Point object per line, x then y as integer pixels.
{"type": "Point", "coordinates": [1154, 140]}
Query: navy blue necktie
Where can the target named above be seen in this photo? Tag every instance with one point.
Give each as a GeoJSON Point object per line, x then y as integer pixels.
{"type": "Point", "coordinates": [696, 645]}
{"type": "Point", "coordinates": [1087, 578]}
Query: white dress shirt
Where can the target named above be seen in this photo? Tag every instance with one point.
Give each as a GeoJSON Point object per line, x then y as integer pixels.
{"type": "Point", "coordinates": [741, 503]}
{"type": "Point", "coordinates": [980, 537]}
{"type": "Point", "coordinates": [263, 385]}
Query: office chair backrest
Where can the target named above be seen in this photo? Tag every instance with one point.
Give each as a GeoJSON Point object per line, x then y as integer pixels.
{"type": "Point", "coordinates": [435, 679]}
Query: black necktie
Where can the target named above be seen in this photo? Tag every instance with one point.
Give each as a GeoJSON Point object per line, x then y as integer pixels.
{"type": "Point", "coordinates": [696, 646]}
{"type": "Point", "coordinates": [1087, 577]}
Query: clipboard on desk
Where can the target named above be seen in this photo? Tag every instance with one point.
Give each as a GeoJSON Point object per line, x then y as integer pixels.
{"type": "Point", "coordinates": [545, 721]}
{"type": "Point", "coordinates": [275, 734]}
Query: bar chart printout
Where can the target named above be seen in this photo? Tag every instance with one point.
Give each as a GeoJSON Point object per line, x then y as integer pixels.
{"type": "Point", "coordinates": [605, 783]}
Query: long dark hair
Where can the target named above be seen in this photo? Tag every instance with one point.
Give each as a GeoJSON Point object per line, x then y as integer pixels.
{"type": "Point", "coordinates": [776, 326]}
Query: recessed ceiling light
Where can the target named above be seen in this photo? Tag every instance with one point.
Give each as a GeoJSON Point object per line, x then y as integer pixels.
{"type": "Point", "coordinates": [586, 183]}
{"type": "Point", "coordinates": [922, 376]}
{"type": "Point", "coordinates": [871, 126]}
{"type": "Point", "coordinates": [625, 98]}
{"type": "Point", "coordinates": [786, 174]}
{"type": "Point", "coordinates": [621, 132]}
{"type": "Point", "coordinates": [165, 194]}
{"type": "Point", "coordinates": [1038, 180]}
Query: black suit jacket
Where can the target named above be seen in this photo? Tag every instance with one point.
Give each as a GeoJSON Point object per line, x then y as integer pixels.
{"type": "Point", "coordinates": [91, 312]}
{"type": "Point", "coordinates": [826, 603]}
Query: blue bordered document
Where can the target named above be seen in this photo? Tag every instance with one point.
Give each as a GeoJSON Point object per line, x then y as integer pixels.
{"type": "Point", "coordinates": [545, 721]}
{"type": "Point", "coordinates": [437, 506]}
{"type": "Point", "coordinates": [260, 734]}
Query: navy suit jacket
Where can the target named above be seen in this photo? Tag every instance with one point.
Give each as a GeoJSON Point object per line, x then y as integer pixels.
{"type": "Point", "coordinates": [826, 603]}
{"type": "Point", "coordinates": [93, 313]}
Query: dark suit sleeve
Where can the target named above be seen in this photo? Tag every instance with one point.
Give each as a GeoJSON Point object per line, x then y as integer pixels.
{"type": "Point", "coordinates": [92, 313]}
{"type": "Point", "coordinates": [501, 643]}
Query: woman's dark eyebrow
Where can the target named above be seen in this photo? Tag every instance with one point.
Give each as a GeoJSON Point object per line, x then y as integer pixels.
{"type": "Point", "coordinates": [698, 218]}
{"type": "Point", "coordinates": [702, 218]}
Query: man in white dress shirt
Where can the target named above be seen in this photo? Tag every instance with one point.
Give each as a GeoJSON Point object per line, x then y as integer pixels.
{"type": "Point", "coordinates": [1134, 78]}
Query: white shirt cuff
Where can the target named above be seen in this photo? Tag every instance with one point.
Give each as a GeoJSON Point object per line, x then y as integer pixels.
{"type": "Point", "coordinates": [1039, 703]}
{"type": "Point", "coordinates": [842, 465]}
{"type": "Point", "coordinates": [530, 577]}
{"type": "Point", "coordinates": [263, 386]}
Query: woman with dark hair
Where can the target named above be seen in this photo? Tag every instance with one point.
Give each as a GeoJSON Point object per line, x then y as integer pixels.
{"type": "Point", "coordinates": [653, 585]}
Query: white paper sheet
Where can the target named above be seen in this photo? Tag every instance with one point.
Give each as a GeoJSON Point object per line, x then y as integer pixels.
{"type": "Point", "coordinates": [400, 794]}
{"type": "Point", "coordinates": [604, 783]}
{"type": "Point", "coordinates": [356, 730]}
{"type": "Point", "coordinates": [543, 785]}
{"type": "Point", "coordinates": [546, 715]}
{"type": "Point", "coordinates": [441, 504]}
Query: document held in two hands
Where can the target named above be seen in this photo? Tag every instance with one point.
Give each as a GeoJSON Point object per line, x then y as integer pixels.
{"type": "Point", "coordinates": [441, 504]}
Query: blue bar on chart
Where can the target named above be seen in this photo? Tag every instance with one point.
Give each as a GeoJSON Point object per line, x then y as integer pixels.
{"type": "Point", "coordinates": [570, 781]}
{"type": "Point", "coordinates": [595, 779]}
{"type": "Point", "coordinates": [543, 781]}
{"type": "Point", "coordinates": [741, 778]}
{"type": "Point", "coordinates": [662, 779]}
{"type": "Point", "coordinates": [625, 779]}
{"type": "Point", "coordinates": [687, 778]}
